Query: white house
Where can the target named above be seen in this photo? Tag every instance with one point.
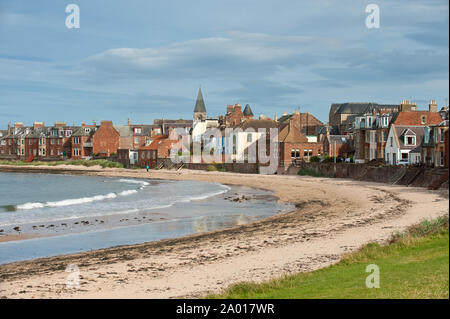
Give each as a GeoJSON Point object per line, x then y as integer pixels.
{"type": "Point", "coordinates": [403, 145]}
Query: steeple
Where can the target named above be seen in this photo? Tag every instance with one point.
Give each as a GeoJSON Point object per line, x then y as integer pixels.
{"type": "Point", "coordinates": [200, 109]}
{"type": "Point", "coordinates": [248, 111]}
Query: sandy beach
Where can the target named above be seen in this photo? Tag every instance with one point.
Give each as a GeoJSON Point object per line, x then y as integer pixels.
{"type": "Point", "coordinates": [332, 216]}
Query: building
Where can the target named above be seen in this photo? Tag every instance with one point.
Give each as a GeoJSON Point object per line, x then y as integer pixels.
{"type": "Point", "coordinates": [310, 125]}
{"type": "Point", "coordinates": [106, 140]}
{"type": "Point", "coordinates": [401, 141]}
{"type": "Point", "coordinates": [158, 149]}
{"type": "Point", "coordinates": [293, 145]}
{"type": "Point", "coordinates": [342, 114]}
{"type": "Point", "coordinates": [82, 142]}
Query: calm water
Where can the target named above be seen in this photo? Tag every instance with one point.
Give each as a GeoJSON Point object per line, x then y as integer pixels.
{"type": "Point", "coordinates": [82, 213]}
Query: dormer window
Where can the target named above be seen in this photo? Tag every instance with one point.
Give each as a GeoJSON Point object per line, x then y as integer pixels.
{"type": "Point", "coordinates": [137, 130]}
{"type": "Point", "coordinates": [87, 130]}
{"type": "Point", "coordinates": [423, 119]}
{"type": "Point", "coordinates": [410, 140]}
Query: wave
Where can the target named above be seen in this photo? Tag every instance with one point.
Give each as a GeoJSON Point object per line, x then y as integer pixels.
{"type": "Point", "coordinates": [74, 201]}
{"type": "Point", "coordinates": [193, 198]}
{"type": "Point", "coordinates": [134, 181]}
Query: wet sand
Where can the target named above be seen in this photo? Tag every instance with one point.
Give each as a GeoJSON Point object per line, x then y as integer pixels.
{"type": "Point", "coordinates": [332, 216]}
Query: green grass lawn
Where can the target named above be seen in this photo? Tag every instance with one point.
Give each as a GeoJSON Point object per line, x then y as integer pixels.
{"type": "Point", "coordinates": [414, 265]}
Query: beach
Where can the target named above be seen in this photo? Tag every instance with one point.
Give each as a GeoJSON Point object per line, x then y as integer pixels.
{"type": "Point", "coordinates": [331, 217]}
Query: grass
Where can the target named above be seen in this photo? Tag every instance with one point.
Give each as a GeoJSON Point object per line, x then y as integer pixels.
{"type": "Point", "coordinates": [309, 172]}
{"type": "Point", "coordinates": [215, 168]}
{"type": "Point", "coordinates": [415, 264]}
{"type": "Point", "coordinates": [103, 163]}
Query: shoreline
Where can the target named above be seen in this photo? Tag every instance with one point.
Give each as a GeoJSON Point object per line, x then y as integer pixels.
{"type": "Point", "coordinates": [332, 216]}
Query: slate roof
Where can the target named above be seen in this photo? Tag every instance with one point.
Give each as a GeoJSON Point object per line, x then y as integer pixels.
{"type": "Point", "coordinates": [255, 124]}
{"type": "Point", "coordinates": [332, 129]}
{"type": "Point", "coordinates": [360, 107]}
{"type": "Point", "coordinates": [248, 111]}
{"type": "Point", "coordinates": [338, 139]}
{"type": "Point", "coordinates": [124, 130]}
{"type": "Point", "coordinates": [200, 104]}
{"type": "Point", "coordinates": [400, 131]}
{"type": "Point", "coordinates": [81, 132]}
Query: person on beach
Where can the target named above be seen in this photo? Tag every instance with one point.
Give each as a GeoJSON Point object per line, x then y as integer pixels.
{"type": "Point", "coordinates": [147, 167]}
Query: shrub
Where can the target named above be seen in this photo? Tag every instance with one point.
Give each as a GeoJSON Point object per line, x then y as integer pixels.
{"type": "Point", "coordinates": [315, 159]}
{"type": "Point", "coordinates": [309, 172]}
{"type": "Point", "coordinates": [211, 168]}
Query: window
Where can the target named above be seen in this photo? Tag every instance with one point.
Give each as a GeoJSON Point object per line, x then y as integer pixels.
{"type": "Point", "coordinates": [52, 141]}
{"type": "Point", "coordinates": [410, 140]}
{"type": "Point", "coordinates": [136, 140]}
{"type": "Point", "coordinates": [423, 119]}
{"type": "Point", "coordinates": [442, 135]}
{"type": "Point", "coordinates": [249, 137]}
{"type": "Point", "coordinates": [137, 130]}
{"type": "Point", "coordinates": [404, 156]}
{"type": "Point", "coordinates": [442, 158]}
{"type": "Point", "coordinates": [392, 142]}
{"type": "Point", "coordinates": [292, 153]}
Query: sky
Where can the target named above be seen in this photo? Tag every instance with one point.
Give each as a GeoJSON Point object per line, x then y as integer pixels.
{"type": "Point", "coordinates": [143, 60]}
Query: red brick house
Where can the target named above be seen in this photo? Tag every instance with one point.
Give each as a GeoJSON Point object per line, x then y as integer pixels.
{"type": "Point", "coordinates": [82, 145]}
{"type": "Point", "coordinates": [159, 148]}
{"type": "Point", "coordinates": [106, 139]}
{"type": "Point", "coordinates": [293, 144]}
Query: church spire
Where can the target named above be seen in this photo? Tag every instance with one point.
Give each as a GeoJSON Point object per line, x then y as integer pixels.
{"type": "Point", "coordinates": [200, 109]}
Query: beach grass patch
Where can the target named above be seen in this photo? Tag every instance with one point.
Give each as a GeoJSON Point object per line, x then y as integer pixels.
{"type": "Point", "coordinates": [415, 264]}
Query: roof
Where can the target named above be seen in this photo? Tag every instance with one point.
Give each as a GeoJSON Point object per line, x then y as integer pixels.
{"type": "Point", "coordinates": [415, 118]}
{"type": "Point", "coordinates": [124, 130]}
{"type": "Point", "coordinates": [289, 134]}
{"type": "Point", "coordinates": [333, 130]}
{"type": "Point", "coordinates": [338, 139]}
{"type": "Point", "coordinates": [255, 124]}
{"type": "Point", "coordinates": [200, 104]}
{"type": "Point", "coordinates": [360, 107]}
{"type": "Point", "coordinates": [82, 132]}
{"type": "Point", "coordinates": [248, 111]}
{"type": "Point", "coordinates": [155, 143]}
{"type": "Point", "coordinates": [401, 130]}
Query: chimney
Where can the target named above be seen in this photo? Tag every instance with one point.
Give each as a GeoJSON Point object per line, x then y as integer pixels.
{"type": "Point", "coordinates": [60, 124]}
{"type": "Point", "coordinates": [229, 108]}
{"type": "Point", "coordinates": [18, 124]}
{"type": "Point", "coordinates": [432, 107]}
{"type": "Point", "coordinates": [104, 123]}
{"type": "Point", "coordinates": [406, 106]}
{"type": "Point", "coordinates": [9, 128]}
{"type": "Point", "coordinates": [163, 128]}
{"type": "Point", "coordinates": [83, 124]}
{"type": "Point", "coordinates": [275, 118]}
{"type": "Point", "coordinates": [95, 123]}
{"type": "Point", "coordinates": [128, 121]}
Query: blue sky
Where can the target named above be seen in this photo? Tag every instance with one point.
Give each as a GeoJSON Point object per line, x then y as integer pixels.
{"type": "Point", "coordinates": [146, 59]}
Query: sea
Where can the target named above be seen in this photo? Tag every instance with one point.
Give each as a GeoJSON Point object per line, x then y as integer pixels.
{"type": "Point", "coordinates": [63, 214]}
